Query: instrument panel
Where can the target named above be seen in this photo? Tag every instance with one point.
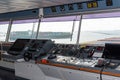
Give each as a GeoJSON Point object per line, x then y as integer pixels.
{"type": "Point", "coordinates": [74, 55]}
{"type": "Point", "coordinates": [47, 51]}
{"type": "Point", "coordinates": [80, 7]}
{"type": "Point", "coordinates": [84, 55]}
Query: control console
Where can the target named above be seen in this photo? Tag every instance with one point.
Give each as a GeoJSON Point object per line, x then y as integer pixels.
{"type": "Point", "coordinates": [82, 55]}
{"type": "Point", "coordinates": [91, 56]}
{"type": "Point", "coordinates": [27, 49]}
{"type": "Point", "coordinates": [71, 54]}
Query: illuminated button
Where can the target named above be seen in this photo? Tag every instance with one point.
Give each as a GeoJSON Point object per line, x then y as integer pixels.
{"type": "Point", "coordinates": [92, 4]}
{"type": "Point", "coordinates": [44, 61]}
{"type": "Point", "coordinates": [95, 4]}
{"type": "Point", "coordinates": [89, 5]}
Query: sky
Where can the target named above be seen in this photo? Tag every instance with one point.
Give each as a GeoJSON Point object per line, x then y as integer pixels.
{"type": "Point", "coordinates": [102, 24]}
{"type": "Point", "coordinates": [3, 28]}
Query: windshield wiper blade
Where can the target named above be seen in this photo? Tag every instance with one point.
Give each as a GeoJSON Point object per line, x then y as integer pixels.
{"type": "Point", "coordinates": [73, 27]}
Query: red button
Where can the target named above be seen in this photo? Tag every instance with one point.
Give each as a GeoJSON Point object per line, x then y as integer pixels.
{"type": "Point", "coordinates": [44, 61]}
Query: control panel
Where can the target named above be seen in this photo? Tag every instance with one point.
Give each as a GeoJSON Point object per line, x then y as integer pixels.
{"type": "Point", "coordinates": [72, 60]}
{"type": "Point", "coordinates": [71, 54]}
{"type": "Point", "coordinates": [67, 54]}
{"type": "Point", "coordinates": [89, 56]}
{"type": "Point", "coordinates": [27, 49]}
{"type": "Point", "coordinates": [81, 7]}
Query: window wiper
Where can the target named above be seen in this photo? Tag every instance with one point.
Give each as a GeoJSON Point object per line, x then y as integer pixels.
{"type": "Point", "coordinates": [73, 27]}
{"type": "Point", "coordinates": [33, 28]}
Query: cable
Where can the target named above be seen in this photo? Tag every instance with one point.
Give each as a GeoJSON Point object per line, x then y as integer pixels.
{"type": "Point", "coordinates": [104, 66]}
{"type": "Point", "coordinates": [101, 78]}
{"type": "Point", "coordinates": [73, 27]}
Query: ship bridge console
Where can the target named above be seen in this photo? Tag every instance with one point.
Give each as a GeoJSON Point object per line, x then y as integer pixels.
{"type": "Point", "coordinates": [91, 59]}
{"type": "Point", "coordinates": [70, 41]}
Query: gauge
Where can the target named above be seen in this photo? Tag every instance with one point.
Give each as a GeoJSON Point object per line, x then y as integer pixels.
{"type": "Point", "coordinates": [70, 6]}
{"type": "Point", "coordinates": [109, 2]}
{"type": "Point", "coordinates": [79, 5]}
{"type": "Point", "coordinates": [62, 8]}
{"type": "Point", "coordinates": [53, 9]}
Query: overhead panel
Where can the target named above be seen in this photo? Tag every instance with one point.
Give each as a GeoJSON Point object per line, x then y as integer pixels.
{"type": "Point", "coordinates": [17, 5]}
{"type": "Point", "coordinates": [24, 14]}
{"type": "Point", "coordinates": [81, 7]}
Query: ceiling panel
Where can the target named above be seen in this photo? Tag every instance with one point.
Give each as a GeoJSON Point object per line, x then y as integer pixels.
{"type": "Point", "coordinates": [16, 5]}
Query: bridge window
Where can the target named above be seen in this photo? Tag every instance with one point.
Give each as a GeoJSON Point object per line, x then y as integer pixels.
{"type": "Point", "coordinates": [3, 30]}
{"type": "Point", "coordinates": [60, 29]}
{"type": "Point", "coordinates": [100, 28]}
{"type": "Point", "coordinates": [95, 28]}
{"type": "Point", "coordinates": [23, 29]}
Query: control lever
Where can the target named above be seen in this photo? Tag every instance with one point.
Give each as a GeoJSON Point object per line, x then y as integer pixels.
{"type": "Point", "coordinates": [91, 53]}
{"type": "Point", "coordinates": [53, 52]}
{"type": "Point", "coordinates": [52, 56]}
{"type": "Point", "coordinates": [27, 56]}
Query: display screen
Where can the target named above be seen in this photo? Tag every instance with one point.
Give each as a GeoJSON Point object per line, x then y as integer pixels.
{"type": "Point", "coordinates": [112, 51]}
{"type": "Point", "coordinates": [18, 45]}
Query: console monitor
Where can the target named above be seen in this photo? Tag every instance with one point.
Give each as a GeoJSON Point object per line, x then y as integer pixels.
{"type": "Point", "coordinates": [112, 51]}
{"type": "Point", "coordinates": [18, 46]}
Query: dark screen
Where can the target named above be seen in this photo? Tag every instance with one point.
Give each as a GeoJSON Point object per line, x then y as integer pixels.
{"type": "Point", "coordinates": [112, 51]}
{"type": "Point", "coordinates": [18, 45]}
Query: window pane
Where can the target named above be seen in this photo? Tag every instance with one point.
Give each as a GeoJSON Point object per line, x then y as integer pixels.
{"type": "Point", "coordinates": [23, 29]}
{"type": "Point", "coordinates": [100, 30]}
{"type": "Point", "coordinates": [60, 30]}
{"type": "Point", "coordinates": [3, 30]}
